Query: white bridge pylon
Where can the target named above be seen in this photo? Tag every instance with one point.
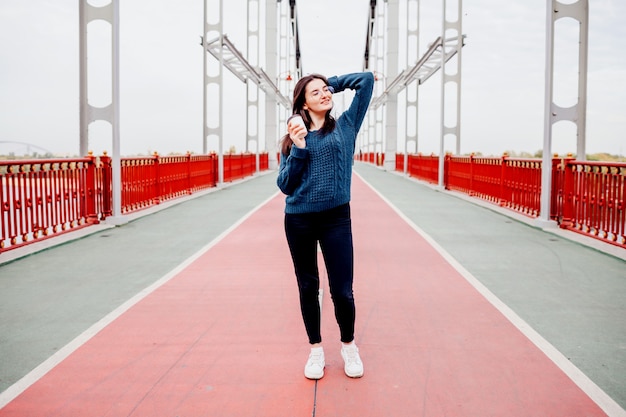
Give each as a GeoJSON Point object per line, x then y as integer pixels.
{"type": "Point", "coordinates": [382, 56]}
{"type": "Point", "coordinates": [282, 53]}
{"type": "Point", "coordinates": [281, 56]}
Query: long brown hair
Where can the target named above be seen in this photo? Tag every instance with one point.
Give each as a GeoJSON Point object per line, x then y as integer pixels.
{"type": "Point", "coordinates": [299, 100]}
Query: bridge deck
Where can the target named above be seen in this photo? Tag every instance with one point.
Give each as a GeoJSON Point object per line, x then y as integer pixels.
{"type": "Point", "coordinates": [193, 311]}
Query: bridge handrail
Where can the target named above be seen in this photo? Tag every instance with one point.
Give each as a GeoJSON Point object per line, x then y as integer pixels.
{"type": "Point", "coordinates": [594, 197]}
{"type": "Point", "coordinates": [586, 197]}
{"type": "Point", "coordinates": [42, 198]}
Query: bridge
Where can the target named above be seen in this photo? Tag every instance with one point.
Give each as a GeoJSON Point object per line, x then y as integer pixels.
{"type": "Point", "coordinates": [462, 309]}
{"type": "Point", "coordinates": [176, 296]}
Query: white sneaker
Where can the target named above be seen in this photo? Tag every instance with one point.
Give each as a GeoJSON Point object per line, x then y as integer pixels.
{"type": "Point", "coordinates": [314, 368]}
{"type": "Point", "coordinates": [353, 365]}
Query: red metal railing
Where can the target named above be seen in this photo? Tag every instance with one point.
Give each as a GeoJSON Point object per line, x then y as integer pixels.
{"type": "Point", "coordinates": [264, 161]}
{"type": "Point", "coordinates": [586, 197]}
{"type": "Point", "coordinates": [594, 200]}
{"type": "Point", "coordinates": [140, 183]}
{"type": "Point", "coordinates": [44, 198]}
{"type": "Point", "coordinates": [150, 180]}
{"type": "Point", "coordinates": [423, 167]}
{"type": "Point", "coordinates": [239, 166]}
{"type": "Point", "coordinates": [376, 158]}
{"type": "Point", "coordinates": [510, 182]}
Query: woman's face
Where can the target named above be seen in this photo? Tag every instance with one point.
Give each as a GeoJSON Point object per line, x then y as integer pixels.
{"type": "Point", "coordinates": [317, 97]}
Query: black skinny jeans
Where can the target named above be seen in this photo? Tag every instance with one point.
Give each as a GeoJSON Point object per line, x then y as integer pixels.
{"type": "Point", "coordinates": [333, 229]}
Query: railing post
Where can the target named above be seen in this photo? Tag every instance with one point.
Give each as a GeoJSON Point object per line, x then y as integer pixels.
{"type": "Point", "coordinates": [90, 187]}
{"type": "Point", "coordinates": [214, 167]}
{"type": "Point", "coordinates": [225, 166]}
{"type": "Point", "coordinates": [446, 170]}
{"type": "Point", "coordinates": [107, 186]}
{"type": "Point", "coordinates": [250, 164]}
{"type": "Point", "coordinates": [501, 199]}
{"type": "Point", "coordinates": [556, 209]}
{"type": "Point", "coordinates": [189, 172]}
{"type": "Point", "coordinates": [156, 198]}
{"type": "Point", "coordinates": [568, 174]}
{"type": "Point", "coordinates": [471, 174]}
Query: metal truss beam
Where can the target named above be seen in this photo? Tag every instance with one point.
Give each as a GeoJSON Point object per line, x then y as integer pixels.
{"type": "Point", "coordinates": [237, 64]}
{"type": "Point", "coordinates": [423, 69]}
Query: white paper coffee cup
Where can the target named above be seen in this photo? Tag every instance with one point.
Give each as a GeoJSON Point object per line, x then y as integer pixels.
{"type": "Point", "coordinates": [296, 119]}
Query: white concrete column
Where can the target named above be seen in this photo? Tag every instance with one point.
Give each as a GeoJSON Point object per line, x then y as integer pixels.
{"type": "Point", "coordinates": [411, 121]}
{"type": "Point", "coordinates": [391, 106]}
{"type": "Point", "coordinates": [452, 37]}
{"type": "Point", "coordinates": [213, 83]}
{"type": "Point", "coordinates": [252, 89]}
{"type": "Point", "coordinates": [552, 112]}
{"type": "Point", "coordinates": [111, 112]}
{"type": "Point", "coordinates": [271, 107]}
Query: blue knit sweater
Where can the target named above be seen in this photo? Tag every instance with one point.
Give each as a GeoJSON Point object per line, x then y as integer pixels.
{"type": "Point", "coordinates": [318, 177]}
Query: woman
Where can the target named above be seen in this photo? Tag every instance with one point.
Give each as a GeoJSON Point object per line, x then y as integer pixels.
{"type": "Point", "coordinates": [315, 174]}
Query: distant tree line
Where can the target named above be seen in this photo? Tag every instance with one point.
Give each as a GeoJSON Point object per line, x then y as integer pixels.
{"type": "Point", "coordinates": [11, 156]}
{"type": "Point", "coordinates": [600, 157]}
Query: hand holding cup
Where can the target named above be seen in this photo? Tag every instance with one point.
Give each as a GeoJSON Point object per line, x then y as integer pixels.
{"type": "Point", "coordinates": [297, 130]}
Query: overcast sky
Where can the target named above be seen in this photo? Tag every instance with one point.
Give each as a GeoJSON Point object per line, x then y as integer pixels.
{"type": "Point", "coordinates": [503, 74]}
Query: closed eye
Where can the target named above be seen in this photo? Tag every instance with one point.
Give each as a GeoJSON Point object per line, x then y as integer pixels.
{"type": "Point", "coordinates": [317, 92]}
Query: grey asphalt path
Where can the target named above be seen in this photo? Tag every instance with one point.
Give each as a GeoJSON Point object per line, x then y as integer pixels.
{"type": "Point", "coordinates": [573, 294]}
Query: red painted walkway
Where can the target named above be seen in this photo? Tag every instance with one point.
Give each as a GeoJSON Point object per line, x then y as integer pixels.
{"type": "Point", "coordinates": [224, 337]}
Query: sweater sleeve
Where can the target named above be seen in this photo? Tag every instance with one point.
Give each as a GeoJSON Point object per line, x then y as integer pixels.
{"type": "Point", "coordinates": [291, 169]}
{"type": "Point", "coordinates": [363, 85]}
